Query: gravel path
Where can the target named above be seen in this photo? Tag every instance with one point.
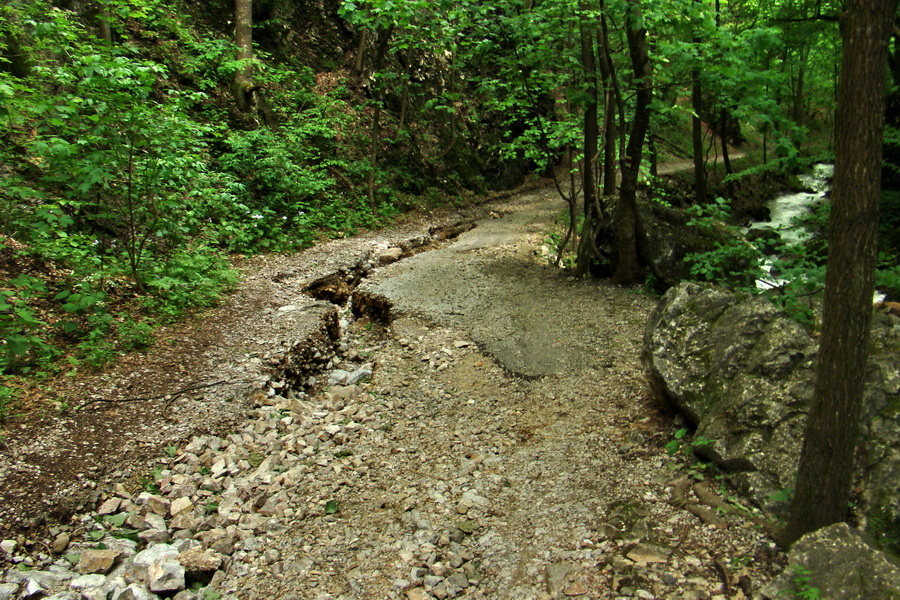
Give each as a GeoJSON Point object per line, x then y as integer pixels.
{"type": "Point", "coordinates": [513, 453]}
{"type": "Point", "coordinates": [484, 431]}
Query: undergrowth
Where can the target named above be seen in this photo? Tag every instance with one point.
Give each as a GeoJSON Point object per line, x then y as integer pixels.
{"type": "Point", "coordinates": [126, 182]}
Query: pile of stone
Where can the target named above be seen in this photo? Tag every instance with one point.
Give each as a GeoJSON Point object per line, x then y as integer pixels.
{"type": "Point", "coordinates": [211, 505]}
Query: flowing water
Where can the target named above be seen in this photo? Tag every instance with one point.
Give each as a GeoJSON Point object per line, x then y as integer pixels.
{"type": "Point", "coordinates": [786, 210]}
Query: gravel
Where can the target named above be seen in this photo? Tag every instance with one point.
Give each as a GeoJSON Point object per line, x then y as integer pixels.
{"type": "Point", "coordinates": [485, 433]}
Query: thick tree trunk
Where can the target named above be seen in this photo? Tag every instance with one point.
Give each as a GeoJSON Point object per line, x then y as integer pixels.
{"type": "Point", "coordinates": [826, 463]}
{"type": "Point", "coordinates": [243, 39]}
{"type": "Point", "coordinates": [628, 269]}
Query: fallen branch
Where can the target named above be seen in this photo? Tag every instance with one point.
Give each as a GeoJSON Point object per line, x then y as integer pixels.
{"type": "Point", "coordinates": [170, 395]}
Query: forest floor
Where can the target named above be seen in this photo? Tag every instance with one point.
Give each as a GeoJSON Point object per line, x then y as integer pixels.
{"type": "Point", "coordinates": [501, 445]}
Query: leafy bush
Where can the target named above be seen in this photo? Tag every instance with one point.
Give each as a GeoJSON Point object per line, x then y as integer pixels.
{"type": "Point", "coordinates": [734, 261]}
{"type": "Point", "coordinates": [790, 275]}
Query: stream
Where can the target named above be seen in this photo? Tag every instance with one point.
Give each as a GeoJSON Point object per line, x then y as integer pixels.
{"type": "Point", "coordinates": [784, 212]}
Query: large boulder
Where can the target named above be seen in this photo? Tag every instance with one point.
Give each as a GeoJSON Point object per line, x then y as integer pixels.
{"type": "Point", "coordinates": [743, 373]}
{"type": "Point", "coordinates": [841, 563]}
{"type": "Point", "coordinates": [665, 239]}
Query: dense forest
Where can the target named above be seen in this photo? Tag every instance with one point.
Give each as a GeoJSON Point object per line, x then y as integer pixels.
{"type": "Point", "coordinates": [144, 142]}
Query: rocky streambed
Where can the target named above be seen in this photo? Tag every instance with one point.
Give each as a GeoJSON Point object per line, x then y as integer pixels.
{"type": "Point", "coordinates": [471, 424]}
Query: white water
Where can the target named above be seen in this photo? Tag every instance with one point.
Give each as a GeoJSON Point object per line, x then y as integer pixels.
{"type": "Point", "coordinates": [784, 211]}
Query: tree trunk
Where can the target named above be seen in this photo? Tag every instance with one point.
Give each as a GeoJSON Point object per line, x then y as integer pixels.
{"type": "Point", "coordinates": [610, 68]}
{"type": "Point", "coordinates": [591, 131]}
{"type": "Point", "coordinates": [105, 20]}
{"type": "Point", "coordinates": [360, 56]}
{"type": "Point", "coordinates": [723, 117]}
{"type": "Point", "coordinates": [380, 53]}
{"type": "Point", "coordinates": [584, 256]}
{"type": "Point", "coordinates": [628, 269]}
{"type": "Point", "coordinates": [243, 39]}
{"type": "Point", "coordinates": [697, 130]}
{"type": "Point", "coordinates": [826, 462]}
{"type": "Point", "coordinates": [610, 162]}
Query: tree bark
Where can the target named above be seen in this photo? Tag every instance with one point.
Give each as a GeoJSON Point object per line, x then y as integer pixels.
{"type": "Point", "coordinates": [105, 20]}
{"type": "Point", "coordinates": [697, 129]}
{"type": "Point", "coordinates": [591, 131]}
{"type": "Point", "coordinates": [243, 39]}
{"type": "Point", "coordinates": [590, 150]}
{"type": "Point", "coordinates": [360, 56]}
{"type": "Point", "coordinates": [610, 162]}
{"type": "Point", "coordinates": [825, 472]}
{"type": "Point", "coordinates": [628, 269]}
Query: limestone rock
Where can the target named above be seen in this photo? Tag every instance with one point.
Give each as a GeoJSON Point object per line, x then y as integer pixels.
{"type": "Point", "coordinates": [743, 372]}
{"type": "Point", "coordinates": [389, 255]}
{"type": "Point", "coordinates": [158, 568]}
{"type": "Point", "coordinates": [134, 591]}
{"type": "Point", "coordinates": [198, 560]}
{"type": "Point", "coordinates": [842, 564]}
{"type": "Point", "coordinates": [97, 561]}
{"type": "Point", "coordinates": [60, 543]}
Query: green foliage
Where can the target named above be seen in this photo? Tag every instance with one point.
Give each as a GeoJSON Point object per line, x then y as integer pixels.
{"type": "Point", "coordinates": [803, 589]}
{"type": "Point", "coordinates": [733, 261]}
{"type": "Point", "coordinates": [9, 402]}
{"type": "Point", "coordinates": [793, 273]}
{"type": "Point", "coordinates": [884, 528]}
{"type": "Point", "coordinates": [23, 344]}
{"type": "Point", "coordinates": [684, 452]}
{"type": "Point", "coordinates": [678, 443]}
{"type": "Point", "coordinates": [135, 335]}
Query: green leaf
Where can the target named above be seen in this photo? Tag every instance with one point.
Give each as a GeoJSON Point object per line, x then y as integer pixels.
{"type": "Point", "coordinates": [332, 507]}
{"type": "Point", "coordinates": [116, 520]}
{"type": "Point", "coordinates": [256, 458]}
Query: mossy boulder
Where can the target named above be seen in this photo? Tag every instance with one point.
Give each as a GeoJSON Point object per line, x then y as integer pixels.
{"type": "Point", "coordinates": [743, 373]}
